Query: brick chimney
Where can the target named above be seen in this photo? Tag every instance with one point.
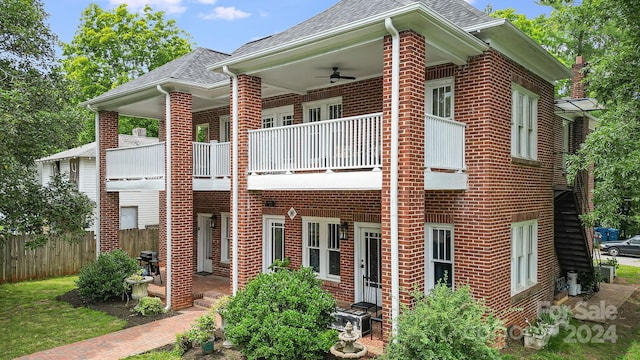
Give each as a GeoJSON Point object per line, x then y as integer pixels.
{"type": "Point", "coordinates": [577, 83]}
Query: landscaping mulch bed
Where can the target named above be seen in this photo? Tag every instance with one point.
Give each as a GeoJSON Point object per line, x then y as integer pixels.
{"type": "Point", "coordinates": [118, 308]}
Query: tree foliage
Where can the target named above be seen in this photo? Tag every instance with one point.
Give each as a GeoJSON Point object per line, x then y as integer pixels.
{"type": "Point", "coordinates": [36, 119]}
{"type": "Point", "coordinates": [614, 79]}
{"type": "Point", "coordinates": [113, 47]}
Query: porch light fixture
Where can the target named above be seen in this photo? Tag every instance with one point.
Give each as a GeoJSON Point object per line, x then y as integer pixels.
{"type": "Point", "coordinates": [344, 230]}
{"type": "Point", "coordinates": [213, 221]}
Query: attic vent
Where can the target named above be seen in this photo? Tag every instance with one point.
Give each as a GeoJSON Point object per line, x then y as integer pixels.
{"type": "Point", "coordinates": [141, 132]}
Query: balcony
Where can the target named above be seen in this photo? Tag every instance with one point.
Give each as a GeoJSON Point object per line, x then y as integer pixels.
{"type": "Point", "coordinates": [341, 154]}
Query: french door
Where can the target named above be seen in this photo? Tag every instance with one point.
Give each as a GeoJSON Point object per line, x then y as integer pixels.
{"type": "Point", "coordinates": [368, 272]}
{"type": "Point", "coordinates": [273, 237]}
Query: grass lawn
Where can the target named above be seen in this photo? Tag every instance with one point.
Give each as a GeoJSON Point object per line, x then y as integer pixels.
{"type": "Point", "coordinates": [589, 340]}
{"type": "Point", "coordinates": [32, 320]}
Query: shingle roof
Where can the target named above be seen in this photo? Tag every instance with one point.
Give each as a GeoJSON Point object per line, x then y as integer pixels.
{"type": "Point", "coordinates": [190, 68]}
{"type": "Point", "coordinates": [89, 150]}
{"type": "Point", "coordinates": [348, 11]}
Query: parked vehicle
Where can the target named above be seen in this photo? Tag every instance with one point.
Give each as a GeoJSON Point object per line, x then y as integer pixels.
{"type": "Point", "coordinates": [630, 247]}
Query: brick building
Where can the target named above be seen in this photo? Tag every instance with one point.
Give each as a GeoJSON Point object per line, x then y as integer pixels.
{"type": "Point", "coordinates": [383, 143]}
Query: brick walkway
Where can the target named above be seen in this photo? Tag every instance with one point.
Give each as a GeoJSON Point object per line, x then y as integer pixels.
{"type": "Point", "coordinates": [127, 342]}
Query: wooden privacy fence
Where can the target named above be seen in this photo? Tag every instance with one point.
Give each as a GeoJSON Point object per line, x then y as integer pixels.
{"type": "Point", "coordinates": [59, 258]}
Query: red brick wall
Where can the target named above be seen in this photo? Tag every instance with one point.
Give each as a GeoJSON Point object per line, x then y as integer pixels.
{"type": "Point", "coordinates": [181, 201]}
{"type": "Point", "coordinates": [109, 201]}
{"type": "Point", "coordinates": [501, 190]}
{"type": "Point", "coordinates": [249, 203]}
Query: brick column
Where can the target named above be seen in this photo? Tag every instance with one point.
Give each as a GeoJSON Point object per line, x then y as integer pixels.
{"type": "Point", "coordinates": [410, 169]}
{"type": "Point", "coordinates": [181, 201]}
{"type": "Point", "coordinates": [109, 201]}
{"type": "Point", "coordinates": [249, 203]}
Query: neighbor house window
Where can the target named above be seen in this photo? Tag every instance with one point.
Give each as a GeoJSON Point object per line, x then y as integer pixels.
{"type": "Point", "coordinates": [326, 109]}
{"type": "Point", "coordinates": [202, 133]}
{"type": "Point", "coordinates": [225, 129]}
{"type": "Point", "coordinates": [439, 251]}
{"type": "Point", "coordinates": [321, 246]}
{"type": "Point", "coordinates": [225, 238]}
{"type": "Point", "coordinates": [439, 98]}
{"type": "Point", "coordinates": [275, 117]}
{"type": "Point", "coordinates": [524, 255]}
{"type": "Point", "coordinates": [128, 217]}
{"type": "Point", "coordinates": [524, 123]}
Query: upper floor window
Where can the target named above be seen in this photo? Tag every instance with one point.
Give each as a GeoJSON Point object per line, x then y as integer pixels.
{"type": "Point", "coordinates": [326, 109]}
{"type": "Point", "coordinates": [202, 132]}
{"type": "Point", "coordinates": [439, 98]}
{"type": "Point", "coordinates": [280, 116]}
{"type": "Point", "coordinates": [524, 255]}
{"type": "Point", "coordinates": [225, 129]}
{"type": "Point", "coordinates": [524, 123]}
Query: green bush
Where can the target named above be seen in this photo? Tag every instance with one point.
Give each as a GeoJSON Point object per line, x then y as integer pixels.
{"type": "Point", "coordinates": [282, 315]}
{"type": "Point", "coordinates": [149, 306]}
{"type": "Point", "coordinates": [445, 324]}
{"type": "Point", "coordinates": [103, 279]}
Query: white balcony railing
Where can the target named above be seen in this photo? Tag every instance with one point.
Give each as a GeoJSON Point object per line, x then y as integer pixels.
{"type": "Point", "coordinates": [347, 143]}
{"type": "Point", "coordinates": [211, 160]}
{"type": "Point", "coordinates": [444, 144]}
{"type": "Point", "coordinates": [140, 162]}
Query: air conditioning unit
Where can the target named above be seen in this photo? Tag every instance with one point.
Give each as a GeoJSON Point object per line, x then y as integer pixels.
{"type": "Point", "coordinates": [359, 319]}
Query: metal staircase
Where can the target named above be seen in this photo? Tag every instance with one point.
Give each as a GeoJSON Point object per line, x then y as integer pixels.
{"type": "Point", "coordinates": [571, 242]}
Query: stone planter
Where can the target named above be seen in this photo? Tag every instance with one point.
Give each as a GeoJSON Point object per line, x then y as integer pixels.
{"type": "Point", "coordinates": [535, 341]}
{"type": "Point", "coordinates": [139, 286]}
{"type": "Point", "coordinates": [553, 329]}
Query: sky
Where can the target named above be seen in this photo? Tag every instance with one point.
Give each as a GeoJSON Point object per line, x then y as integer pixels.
{"type": "Point", "coordinates": [224, 25]}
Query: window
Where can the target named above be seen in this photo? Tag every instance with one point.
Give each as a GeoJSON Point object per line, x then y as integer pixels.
{"type": "Point", "coordinates": [321, 246]}
{"type": "Point", "coordinates": [273, 238]}
{"type": "Point", "coordinates": [524, 123]}
{"type": "Point", "coordinates": [225, 129]}
{"type": "Point", "coordinates": [280, 116]}
{"type": "Point", "coordinates": [74, 171]}
{"type": "Point", "coordinates": [439, 251]}
{"type": "Point", "coordinates": [326, 109]}
{"type": "Point", "coordinates": [202, 133]}
{"type": "Point", "coordinates": [129, 217]}
{"type": "Point", "coordinates": [524, 255]}
{"type": "Point", "coordinates": [439, 99]}
{"type": "Point", "coordinates": [225, 238]}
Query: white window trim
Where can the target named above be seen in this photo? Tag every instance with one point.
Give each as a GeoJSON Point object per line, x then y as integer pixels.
{"type": "Point", "coordinates": [224, 137]}
{"type": "Point", "coordinates": [266, 244]}
{"type": "Point", "coordinates": [205, 128]}
{"type": "Point", "coordinates": [278, 114]}
{"type": "Point", "coordinates": [324, 247]}
{"type": "Point", "coordinates": [323, 105]}
{"type": "Point", "coordinates": [429, 262]}
{"type": "Point", "coordinates": [225, 237]}
{"type": "Point", "coordinates": [528, 149]}
{"type": "Point", "coordinates": [433, 84]}
{"type": "Point", "coordinates": [528, 238]}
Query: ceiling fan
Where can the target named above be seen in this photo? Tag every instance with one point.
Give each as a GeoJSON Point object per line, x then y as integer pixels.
{"type": "Point", "coordinates": [335, 76]}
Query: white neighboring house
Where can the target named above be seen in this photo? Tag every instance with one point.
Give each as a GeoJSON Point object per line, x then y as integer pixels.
{"type": "Point", "coordinates": [138, 209]}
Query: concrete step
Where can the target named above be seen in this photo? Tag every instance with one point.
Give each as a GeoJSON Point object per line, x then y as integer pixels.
{"type": "Point", "coordinates": [206, 300]}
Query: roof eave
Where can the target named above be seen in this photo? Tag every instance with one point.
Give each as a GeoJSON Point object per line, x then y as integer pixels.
{"type": "Point", "coordinates": [527, 52]}
{"type": "Point", "coordinates": [409, 16]}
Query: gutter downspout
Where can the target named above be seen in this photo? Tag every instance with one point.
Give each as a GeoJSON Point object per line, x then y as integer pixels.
{"type": "Point", "coordinates": [393, 194]}
{"type": "Point", "coordinates": [167, 114]}
{"type": "Point", "coordinates": [97, 214]}
{"type": "Point", "coordinates": [234, 178]}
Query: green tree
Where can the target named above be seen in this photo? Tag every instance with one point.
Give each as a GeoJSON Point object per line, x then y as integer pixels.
{"type": "Point", "coordinates": [113, 47]}
{"type": "Point", "coordinates": [614, 79]}
{"type": "Point", "coordinates": [36, 119]}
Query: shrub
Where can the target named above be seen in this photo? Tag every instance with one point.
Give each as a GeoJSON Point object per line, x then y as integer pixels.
{"type": "Point", "coordinates": [445, 324]}
{"type": "Point", "coordinates": [282, 315]}
{"type": "Point", "coordinates": [149, 306]}
{"type": "Point", "coordinates": [103, 279]}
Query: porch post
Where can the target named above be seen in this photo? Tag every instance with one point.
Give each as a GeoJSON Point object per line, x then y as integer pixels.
{"type": "Point", "coordinates": [410, 198]}
{"type": "Point", "coordinates": [181, 213]}
{"type": "Point", "coordinates": [249, 211]}
{"type": "Point", "coordinates": [109, 201]}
